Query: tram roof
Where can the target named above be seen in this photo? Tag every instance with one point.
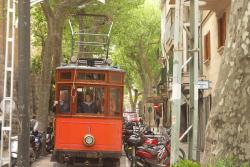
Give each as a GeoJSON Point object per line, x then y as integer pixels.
{"type": "Point", "coordinates": [81, 67]}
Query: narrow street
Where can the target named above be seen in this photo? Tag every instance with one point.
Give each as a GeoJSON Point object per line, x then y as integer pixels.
{"type": "Point", "coordinates": [125, 83]}
{"type": "Point", "coordinates": [124, 162]}
{"type": "Point", "coordinates": [45, 161]}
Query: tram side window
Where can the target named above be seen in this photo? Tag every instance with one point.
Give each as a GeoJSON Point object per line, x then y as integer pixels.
{"type": "Point", "coordinates": [64, 100]}
{"type": "Point", "coordinates": [65, 75]}
{"type": "Point", "coordinates": [115, 101]}
{"type": "Point", "coordinates": [90, 100]}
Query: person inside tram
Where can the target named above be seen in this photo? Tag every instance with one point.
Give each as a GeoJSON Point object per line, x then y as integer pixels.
{"type": "Point", "coordinates": [87, 105]}
{"type": "Point", "coordinates": [64, 101]}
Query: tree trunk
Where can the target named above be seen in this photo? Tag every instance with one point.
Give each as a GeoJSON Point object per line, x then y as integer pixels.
{"type": "Point", "coordinates": [131, 100]}
{"type": "Point", "coordinates": [50, 59]}
{"type": "Point", "coordinates": [228, 129]}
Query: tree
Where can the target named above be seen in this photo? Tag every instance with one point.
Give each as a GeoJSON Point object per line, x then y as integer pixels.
{"type": "Point", "coordinates": [56, 13]}
{"type": "Point", "coordinates": [132, 82]}
{"type": "Point", "coordinates": [136, 36]}
{"type": "Point", "coordinates": [227, 133]}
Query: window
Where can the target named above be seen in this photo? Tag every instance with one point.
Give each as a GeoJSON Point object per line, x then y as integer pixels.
{"type": "Point", "coordinates": [90, 100]}
{"type": "Point", "coordinates": [116, 77]}
{"type": "Point", "coordinates": [115, 101]}
{"type": "Point", "coordinates": [172, 2]}
{"type": "Point", "coordinates": [91, 76]}
{"type": "Point", "coordinates": [65, 75]}
{"type": "Point", "coordinates": [64, 100]}
{"type": "Point", "coordinates": [207, 48]}
{"type": "Point", "coordinates": [222, 30]}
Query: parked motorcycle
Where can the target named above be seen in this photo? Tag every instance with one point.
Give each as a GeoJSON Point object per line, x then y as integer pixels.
{"type": "Point", "coordinates": [36, 143]}
{"type": "Point", "coordinates": [49, 143]}
{"type": "Point", "coordinates": [156, 154]}
{"type": "Point", "coordinates": [50, 139]}
{"type": "Point", "coordinates": [143, 136]}
{"type": "Point", "coordinates": [14, 152]}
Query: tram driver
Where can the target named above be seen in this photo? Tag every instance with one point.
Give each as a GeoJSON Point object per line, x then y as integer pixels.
{"type": "Point", "coordinates": [87, 105]}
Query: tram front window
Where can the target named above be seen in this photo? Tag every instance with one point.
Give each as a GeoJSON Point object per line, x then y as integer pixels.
{"type": "Point", "coordinates": [64, 101]}
{"type": "Point", "coordinates": [90, 100]}
{"type": "Point", "coordinates": [115, 101]}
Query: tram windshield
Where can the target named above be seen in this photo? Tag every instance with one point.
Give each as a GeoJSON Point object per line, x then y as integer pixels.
{"type": "Point", "coordinates": [90, 100]}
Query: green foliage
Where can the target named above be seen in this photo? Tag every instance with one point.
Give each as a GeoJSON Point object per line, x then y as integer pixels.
{"type": "Point", "coordinates": [38, 36]}
{"type": "Point", "coordinates": [136, 36]}
{"type": "Point", "coordinates": [120, 60]}
{"type": "Point", "coordinates": [114, 8]}
{"type": "Point", "coordinates": [186, 163]}
{"type": "Point", "coordinates": [38, 26]}
{"type": "Point", "coordinates": [36, 64]}
{"type": "Point", "coordinates": [229, 162]}
{"type": "Point", "coordinates": [67, 42]}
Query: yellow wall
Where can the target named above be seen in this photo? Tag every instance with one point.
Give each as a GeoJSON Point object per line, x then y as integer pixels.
{"type": "Point", "coordinates": [211, 68]}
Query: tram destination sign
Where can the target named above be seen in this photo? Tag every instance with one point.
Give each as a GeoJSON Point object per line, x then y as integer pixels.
{"type": "Point", "coordinates": [204, 84]}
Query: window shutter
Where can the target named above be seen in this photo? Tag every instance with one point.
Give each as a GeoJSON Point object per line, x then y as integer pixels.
{"type": "Point", "coordinates": [207, 51]}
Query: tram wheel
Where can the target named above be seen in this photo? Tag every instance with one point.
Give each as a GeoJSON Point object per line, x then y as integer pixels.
{"type": "Point", "coordinates": [111, 162]}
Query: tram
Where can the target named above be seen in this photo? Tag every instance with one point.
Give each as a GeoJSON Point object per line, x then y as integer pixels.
{"type": "Point", "coordinates": [88, 118]}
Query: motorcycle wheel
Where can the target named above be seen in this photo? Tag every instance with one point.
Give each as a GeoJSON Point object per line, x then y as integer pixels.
{"type": "Point", "coordinates": [32, 156]}
{"type": "Point", "coordinates": [128, 152]}
{"type": "Point", "coordinates": [13, 162]}
{"type": "Point", "coordinates": [133, 162]}
{"type": "Point", "coordinates": [38, 152]}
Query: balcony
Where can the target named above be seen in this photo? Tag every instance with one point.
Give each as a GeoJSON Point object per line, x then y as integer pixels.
{"type": "Point", "coordinates": [169, 30]}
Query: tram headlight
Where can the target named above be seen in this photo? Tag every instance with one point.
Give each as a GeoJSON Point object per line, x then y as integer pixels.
{"type": "Point", "coordinates": [73, 59]}
{"type": "Point", "coordinates": [89, 140]}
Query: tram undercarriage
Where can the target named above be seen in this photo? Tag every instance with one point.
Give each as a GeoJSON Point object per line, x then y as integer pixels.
{"type": "Point", "coordinates": [102, 159]}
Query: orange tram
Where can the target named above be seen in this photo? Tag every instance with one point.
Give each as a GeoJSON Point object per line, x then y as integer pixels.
{"type": "Point", "coordinates": [88, 119]}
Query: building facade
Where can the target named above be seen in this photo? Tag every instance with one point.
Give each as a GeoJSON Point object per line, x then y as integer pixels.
{"type": "Point", "coordinates": [212, 35]}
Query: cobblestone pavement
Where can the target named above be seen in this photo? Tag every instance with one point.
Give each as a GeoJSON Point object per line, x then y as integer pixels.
{"type": "Point", "coordinates": [45, 162]}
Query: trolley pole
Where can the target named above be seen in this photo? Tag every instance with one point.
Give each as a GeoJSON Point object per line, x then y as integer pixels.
{"type": "Point", "coordinates": [193, 108]}
{"type": "Point", "coordinates": [176, 88]}
{"type": "Point", "coordinates": [23, 80]}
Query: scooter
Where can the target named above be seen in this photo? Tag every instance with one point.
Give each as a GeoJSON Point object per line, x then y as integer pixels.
{"type": "Point", "coordinates": [49, 143]}
{"type": "Point", "coordinates": [14, 149]}
{"type": "Point", "coordinates": [14, 152]}
{"type": "Point", "coordinates": [36, 143]}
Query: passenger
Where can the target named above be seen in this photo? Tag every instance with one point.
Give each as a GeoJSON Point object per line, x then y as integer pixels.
{"type": "Point", "coordinates": [64, 102]}
{"type": "Point", "coordinates": [87, 106]}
